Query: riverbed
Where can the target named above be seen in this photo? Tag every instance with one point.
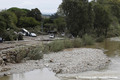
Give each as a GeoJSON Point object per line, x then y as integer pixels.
{"type": "Point", "coordinates": [110, 47]}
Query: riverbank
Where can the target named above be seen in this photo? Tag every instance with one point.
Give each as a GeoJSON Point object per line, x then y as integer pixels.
{"type": "Point", "coordinates": [64, 62]}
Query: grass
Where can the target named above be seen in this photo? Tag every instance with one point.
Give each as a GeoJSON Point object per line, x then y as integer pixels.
{"type": "Point", "coordinates": [59, 45]}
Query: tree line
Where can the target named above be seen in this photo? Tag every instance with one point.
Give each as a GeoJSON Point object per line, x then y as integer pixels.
{"type": "Point", "coordinates": [13, 19]}
{"type": "Point", "coordinates": [96, 18]}
{"type": "Point", "coordinates": [77, 17]}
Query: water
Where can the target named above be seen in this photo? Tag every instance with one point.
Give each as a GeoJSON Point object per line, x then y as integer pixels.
{"type": "Point", "coordinates": [112, 72]}
{"type": "Point", "coordinates": [111, 48]}
{"type": "Point", "coordinates": [43, 74]}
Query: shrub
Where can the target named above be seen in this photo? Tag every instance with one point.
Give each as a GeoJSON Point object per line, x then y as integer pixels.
{"type": "Point", "coordinates": [20, 54]}
{"type": "Point", "coordinates": [77, 43]}
{"type": "Point", "coordinates": [31, 52]}
{"type": "Point", "coordinates": [100, 39]}
{"type": "Point", "coordinates": [20, 37]}
{"type": "Point", "coordinates": [87, 40]}
{"type": "Point", "coordinates": [9, 35]}
{"type": "Point", "coordinates": [35, 53]}
{"type": "Point", "coordinates": [57, 45]}
{"type": "Point", "coordinates": [45, 48]}
{"type": "Point", "coordinates": [68, 43]}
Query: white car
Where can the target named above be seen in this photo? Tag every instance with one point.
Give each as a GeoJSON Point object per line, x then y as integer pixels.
{"type": "Point", "coordinates": [52, 36]}
{"type": "Point", "coordinates": [63, 34]}
{"type": "Point", "coordinates": [33, 35]}
{"type": "Point", "coordinates": [1, 40]}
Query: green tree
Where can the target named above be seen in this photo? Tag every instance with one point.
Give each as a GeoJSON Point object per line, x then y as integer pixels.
{"type": "Point", "coordinates": [2, 23]}
{"type": "Point", "coordinates": [102, 20]}
{"type": "Point", "coordinates": [19, 13]}
{"type": "Point", "coordinates": [35, 13]}
{"type": "Point", "coordinates": [77, 16]}
{"type": "Point", "coordinates": [28, 22]}
{"type": "Point", "coordinates": [60, 24]}
{"type": "Point", "coordinates": [9, 19]}
{"type": "Point", "coordinates": [115, 8]}
{"type": "Point", "coordinates": [2, 26]}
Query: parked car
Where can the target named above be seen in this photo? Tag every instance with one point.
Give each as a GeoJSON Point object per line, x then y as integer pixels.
{"type": "Point", "coordinates": [33, 35]}
{"type": "Point", "coordinates": [62, 34]}
{"type": "Point", "coordinates": [52, 36]}
{"type": "Point", "coordinates": [1, 39]}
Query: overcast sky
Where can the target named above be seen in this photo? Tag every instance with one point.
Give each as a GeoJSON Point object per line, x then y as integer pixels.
{"type": "Point", "coordinates": [45, 6]}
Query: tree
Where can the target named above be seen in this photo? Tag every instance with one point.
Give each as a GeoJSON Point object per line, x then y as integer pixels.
{"type": "Point", "coordinates": [2, 25]}
{"type": "Point", "coordinates": [8, 19]}
{"type": "Point", "coordinates": [77, 16]}
{"type": "Point", "coordinates": [35, 13]}
{"type": "Point", "coordinates": [48, 24]}
{"type": "Point", "coordinates": [19, 13]}
{"type": "Point", "coordinates": [54, 16]}
{"type": "Point", "coordinates": [91, 19]}
{"type": "Point", "coordinates": [28, 22]}
{"type": "Point", "coordinates": [102, 20]}
{"type": "Point", "coordinates": [60, 24]}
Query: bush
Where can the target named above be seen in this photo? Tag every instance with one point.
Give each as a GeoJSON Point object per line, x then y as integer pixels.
{"type": "Point", "coordinates": [20, 37]}
{"type": "Point", "coordinates": [77, 43]}
{"type": "Point", "coordinates": [68, 43]}
{"type": "Point", "coordinates": [45, 48]}
{"type": "Point", "coordinates": [100, 39]}
{"type": "Point", "coordinates": [20, 54]}
{"type": "Point", "coordinates": [35, 53]}
{"type": "Point", "coordinates": [10, 35]}
{"type": "Point", "coordinates": [31, 53]}
{"type": "Point", "coordinates": [57, 45]}
{"type": "Point", "coordinates": [87, 40]}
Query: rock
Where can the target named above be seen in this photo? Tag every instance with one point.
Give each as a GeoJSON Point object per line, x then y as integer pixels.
{"type": "Point", "coordinates": [5, 74]}
{"type": "Point", "coordinates": [57, 71]}
{"type": "Point", "coordinates": [5, 69]}
{"type": "Point", "coordinates": [51, 61]}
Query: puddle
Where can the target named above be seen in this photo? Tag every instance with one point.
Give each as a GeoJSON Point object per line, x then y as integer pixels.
{"type": "Point", "coordinates": [43, 74]}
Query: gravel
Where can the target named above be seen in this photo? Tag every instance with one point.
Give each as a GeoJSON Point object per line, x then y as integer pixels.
{"type": "Point", "coordinates": [64, 62]}
{"type": "Point", "coordinates": [77, 60]}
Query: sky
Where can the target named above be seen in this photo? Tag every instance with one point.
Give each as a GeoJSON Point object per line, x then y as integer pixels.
{"type": "Point", "coordinates": [45, 6]}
